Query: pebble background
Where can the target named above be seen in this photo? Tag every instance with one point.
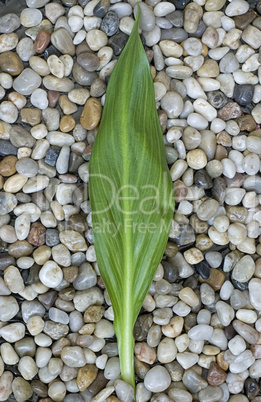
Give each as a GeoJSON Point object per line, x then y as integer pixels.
{"type": "Point", "coordinates": [198, 335]}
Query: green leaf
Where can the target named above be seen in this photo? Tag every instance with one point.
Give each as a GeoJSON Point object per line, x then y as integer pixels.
{"type": "Point", "coordinates": [130, 193]}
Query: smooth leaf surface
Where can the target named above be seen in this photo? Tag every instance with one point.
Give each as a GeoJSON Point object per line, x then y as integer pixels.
{"type": "Point", "coordinates": [130, 192]}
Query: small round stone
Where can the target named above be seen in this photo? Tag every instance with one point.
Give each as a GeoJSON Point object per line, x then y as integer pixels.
{"type": "Point", "coordinates": [51, 274]}
{"type": "Point", "coordinates": [157, 379]}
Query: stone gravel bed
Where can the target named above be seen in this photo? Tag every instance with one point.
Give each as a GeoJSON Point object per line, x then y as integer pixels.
{"type": "Point", "coordinates": [197, 337]}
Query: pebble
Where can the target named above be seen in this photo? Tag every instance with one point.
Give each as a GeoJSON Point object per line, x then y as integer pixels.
{"type": "Point", "coordinates": [51, 274]}
{"type": "Point", "coordinates": [13, 332]}
{"type": "Point", "coordinates": [9, 23]}
{"type": "Point", "coordinates": [91, 114]}
{"type": "Point", "coordinates": [27, 82]}
{"type": "Point", "coordinates": [8, 41]}
{"type": "Point", "coordinates": [193, 381]}
{"type": "Point", "coordinates": [21, 389]}
{"type": "Point", "coordinates": [6, 380]}
{"type": "Point", "coordinates": [157, 379]}
{"type": "Point", "coordinates": [11, 63]}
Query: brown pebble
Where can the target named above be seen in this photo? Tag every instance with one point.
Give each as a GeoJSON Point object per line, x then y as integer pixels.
{"type": "Point", "coordinates": [67, 123]}
{"type": "Point", "coordinates": [246, 123]}
{"type": "Point", "coordinates": [42, 41]}
{"type": "Point", "coordinates": [82, 48]}
{"type": "Point", "coordinates": [98, 384]}
{"type": "Point", "coordinates": [7, 165]}
{"type": "Point", "coordinates": [180, 190]}
{"type": "Point", "coordinates": [141, 368]}
{"type": "Point", "coordinates": [221, 152]}
{"type": "Point", "coordinates": [39, 388]}
{"type": "Point", "coordinates": [11, 63]}
{"type": "Point", "coordinates": [93, 314]}
{"type": "Point", "coordinates": [67, 294]}
{"type": "Point", "coordinates": [47, 299]}
{"type": "Point", "coordinates": [216, 376]}
{"type": "Point", "coordinates": [100, 282]}
{"type": "Point", "coordinates": [70, 273]}
{"type": "Point", "coordinates": [20, 248]}
{"type": "Point", "coordinates": [230, 332]}
{"type": "Point", "coordinates": [243, 20]}
{"type": "Point", "coordinates": [171, 249]}
{"type": "Point", "coordinates": [203, 242]}
{"type": "Point", "coordinates": [37, 233]}
{"type": "Point", "coordinates": [215, 280]}
{"type": "Point", "coordinates": [91, 114]}
{"type": "Point", "coordinates": [31, 116]}
{"type": "Point", "coordinates": [87, 152]}
{"type": "Point", "coordinates": [113, 399]}
{"type": "Point", "coordinates": [53, 97]}
{"type": "Point", "coordinates": [221, 361]}
{"type": "Point", "coordinates": [86, 375]}
{"type": "Point", "coordinates": [236, 181]}
{"type": "Point", "coordinates": [224, 139]}
{"type": "Point", "coordinates": [256, 350]}
{"type": "Point", "coordinates": [46, 400]}
{"type": "Point", "coordinates": [78, 222]}
{"type": "Point", "coordinates": [230, 111]}
{"type": "Point", "coordinates": [163, 118]}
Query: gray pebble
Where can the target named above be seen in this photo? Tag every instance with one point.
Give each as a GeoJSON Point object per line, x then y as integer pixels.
{"type": "Point", "coordinates": [253, 183]}
{"type": "Point", "coordinates": [31, 308]}
{"type": "Point", "coordinates": [78, 258]}
{"type": "Point", "coordinates": [52, 237]}
{"type": "Point", "coordinates": [27, 167]}
{"type": "Point", "coordinates": [101, 8]}
{"type": "Point", "coordinates": [52, 155]}
{"type": "Point", "coordinates": [6, 148]}
{"type": "Point", "coordinates": [83, 77]}
{"type": "Point", "coordinates": [86, 277]}
{"type": "Point", "coordinates": [58, 315]}
{"type": "Point", "coordinates": [89, 61]}
{"type": "Point", "coordinates": [163, 23]}
{"type": "Point", "coordinates": [9, 23]}
{"type": "Point", "coordinates": [219, 189]}
{"type": "Point", "coordinates": [243, 94]}
{"type": "Point", "coordinates": [55, 330]}
{"type": "Point", "coordinates": [117, 42]}
{"type": "Point", "coordinates": [8, 202]}
{"type": "Point", "coordinates": [186, 236]}
{"type": "Point", "coordinates": [20, 137]}
{"type": "Point", "coordinates": [193, 381]}
{"type": "Point", "coordinates": [62, 162]}
{"type": "Point", "coordinates": [171, 155]}
{"type": "Point", "coordinates": [176, 34]}
{"type": "Point", "coordinates": [27, 82]}
{"type": "Point", "coordinates": [98, 88]}
{"type": "Point", "coordinates": [229, 63]}
{"type": "Point", "coordinates": [176, 18]}
{"type": "Point", "coordinates": [210, 394]}
{"type": "Point", "coordinates": [110, 23]}
{"type": "Point", "coordinates": [217, 99]}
